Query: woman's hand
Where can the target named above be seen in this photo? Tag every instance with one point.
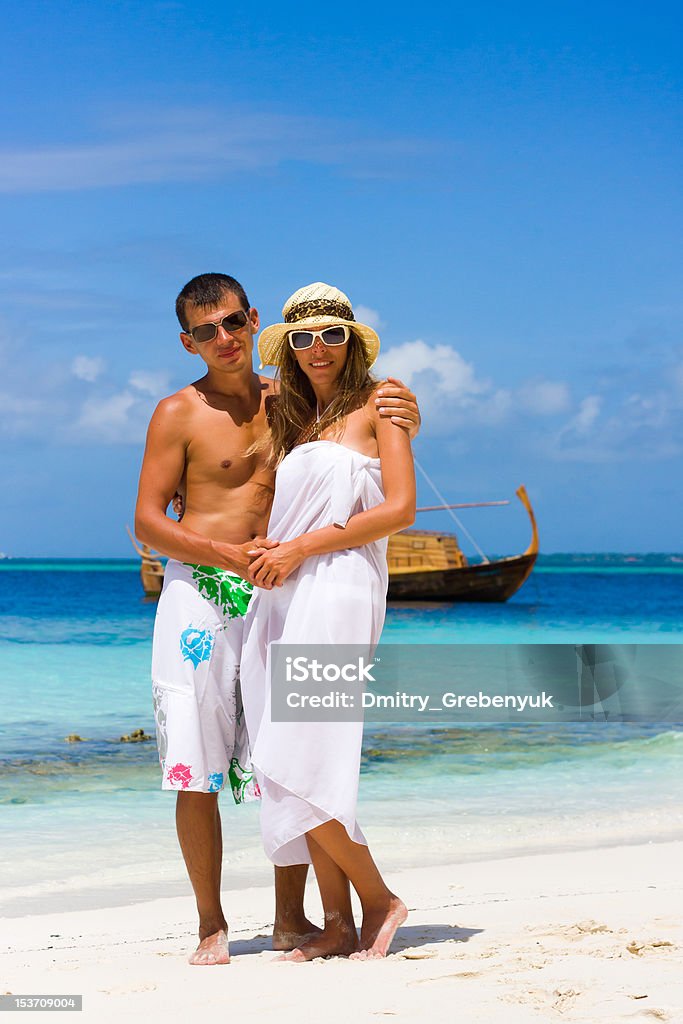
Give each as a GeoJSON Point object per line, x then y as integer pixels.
{"type": "Point", "coordinates": [271, 568]}
{"type": "Point", "coordinates": [178, 505]}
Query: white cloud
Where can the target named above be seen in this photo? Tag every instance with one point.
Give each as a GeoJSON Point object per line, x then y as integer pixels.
{"type": "Point", "coordinates": [648, 410]}
{"type": "Point", "coordinates": [122, 417]}
{"type": "Point", "coordinates": [88, 368]}
{"type": "Point", "coordinates": [642, 427]}
{"type": "Point", "coordinates": [449, 374]}
{"type": "Point", "coordinates": [16, 404]}
{"type": "Point", "coordinates": [544, 397]}
{"type": "Point", "coordinates": [17, 412]}
{"type": "Point", "coordinates": [452, 394]}
{"type": "Point", "coordinates": [578, 428]}
{"type": "Point", "coordinates": [106, 417]}
{"type": "Point", "coordinates": [188, 144]}
{"type": "Point", "coordinates": [589, 410]}
{"type": "Point", "coordinates": [460, 406]}
{"type": "Point", "coordinates": [457, 402]}
{"type": "Point", "coordinates": [150, 382]}
{"type": "Point", "coordinates": [495, 407]}
{"type": "Point", "coordinates": [366, 315]}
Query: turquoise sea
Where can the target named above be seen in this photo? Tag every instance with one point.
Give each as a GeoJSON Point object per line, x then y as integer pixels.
{"type": "Point", "coordinates": [84, 824]}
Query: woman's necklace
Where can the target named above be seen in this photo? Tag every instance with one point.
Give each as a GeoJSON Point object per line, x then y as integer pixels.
{"type": "Point", "coordinates": [312, 431]}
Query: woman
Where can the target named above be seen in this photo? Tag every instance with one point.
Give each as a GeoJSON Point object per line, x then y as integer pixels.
{"type": "Point", "coordinates": [344, 482]}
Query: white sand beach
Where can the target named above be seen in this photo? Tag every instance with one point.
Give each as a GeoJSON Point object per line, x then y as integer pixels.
{"type": "Point", "coordinates": [591, 935]}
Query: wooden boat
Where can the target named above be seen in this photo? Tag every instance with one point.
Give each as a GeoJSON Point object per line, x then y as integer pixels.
{"type": "Point", "coordinates": [151, 568]}
{"type": "Point", "coordinates": [425, 565]}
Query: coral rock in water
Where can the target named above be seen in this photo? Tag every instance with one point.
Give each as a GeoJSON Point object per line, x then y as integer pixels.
{"type": "Point", "coordinates": [137, 736]}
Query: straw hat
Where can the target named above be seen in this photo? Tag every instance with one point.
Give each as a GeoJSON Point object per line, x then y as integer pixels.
{"type": "Point", "coordinates": [315, 305]}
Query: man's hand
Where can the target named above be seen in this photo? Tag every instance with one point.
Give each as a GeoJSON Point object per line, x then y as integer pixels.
{"type": "Point", "coordinates": [261, 542]}
{"type": "Point", "coordinates": [238, 557]}
{"type": "Point", "coordinates": [271, 568]}
{"type": "Point", "coordinates": [399, 403]}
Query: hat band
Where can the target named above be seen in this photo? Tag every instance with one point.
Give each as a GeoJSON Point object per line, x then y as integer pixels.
{"type": "Point", "coordinates": [319, 307]}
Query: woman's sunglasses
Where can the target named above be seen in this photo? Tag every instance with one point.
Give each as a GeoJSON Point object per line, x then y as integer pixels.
{"type": "Point", "coordinates": [299, 340]}
{"type": "Point", "coordinates": [207, 332]}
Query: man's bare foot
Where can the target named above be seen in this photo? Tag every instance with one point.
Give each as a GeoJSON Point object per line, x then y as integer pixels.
{"type": "Point", "coordinates": [212, 950]}
{"type": "Point", "coordinates": [294, 934]}
{"type": "Point", "coordinates": [379, 929]}
{"type": "Point", "coordinates": [335, 942]}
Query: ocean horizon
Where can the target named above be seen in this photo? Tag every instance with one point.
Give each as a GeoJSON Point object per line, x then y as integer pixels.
{"type": "Point", "coordinates": [559, 559]}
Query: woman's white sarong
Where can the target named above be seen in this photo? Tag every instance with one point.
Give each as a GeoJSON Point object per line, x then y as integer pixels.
{"type": "Point", "coordinates": [308, 771]}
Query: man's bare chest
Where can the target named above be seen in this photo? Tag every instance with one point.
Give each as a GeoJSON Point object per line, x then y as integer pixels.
{"type": "Point", "coordinates": [220, 450]}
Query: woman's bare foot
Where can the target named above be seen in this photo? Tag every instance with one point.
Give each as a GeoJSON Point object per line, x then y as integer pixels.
{"type": "Point", "coordinates": [331, 942]}
{"type": "Point", "coordinates": [212, 950]}
{"type": "Point", "coordinates": [289, 935]}
{"type": "Point", "coordinates": [379, 929]}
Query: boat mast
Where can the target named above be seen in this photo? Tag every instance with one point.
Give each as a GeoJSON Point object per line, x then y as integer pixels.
{"type": "Point", "coordinates": [449, 509]}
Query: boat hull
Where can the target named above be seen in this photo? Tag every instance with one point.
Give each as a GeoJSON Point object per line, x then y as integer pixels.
{"type": "Point", "coordinates": [490, 582]}
{"type": "Point", "coordinates": [152, 579]}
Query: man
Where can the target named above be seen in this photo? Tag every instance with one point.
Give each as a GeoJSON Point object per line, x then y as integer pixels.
{"type": "Point", "coordinates": [201, 443]}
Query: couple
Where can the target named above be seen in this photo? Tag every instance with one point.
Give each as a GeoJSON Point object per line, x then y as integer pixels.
{"type": "Point", "coordinates": [321, 576]}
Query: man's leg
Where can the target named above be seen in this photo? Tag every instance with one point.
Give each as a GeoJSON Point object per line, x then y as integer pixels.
{"type": "Point", "coordinates": [291, 927]}
{"type": "Point", "coordinates": [195, 661]}
{"type": "Point", "coordinates": [198, 824]}
{"type": "Point", "coordinates": [339, 937]}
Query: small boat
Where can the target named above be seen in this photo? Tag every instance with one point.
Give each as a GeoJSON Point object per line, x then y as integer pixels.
{"type": "Point", "coordinates": [425, 565]}
{"type": "Point", "coordinates": [151, 567]}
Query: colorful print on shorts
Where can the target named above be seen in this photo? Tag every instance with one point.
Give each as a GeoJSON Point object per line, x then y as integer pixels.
{"type": "Point", "coordinates": [215, 780]}
{"type": "Point", "coordinates": [180, 774]}
{"type": "Point", "coordinates": [229, 593]}
{"type": "Point", "coordinates": [196, 645]}
{"type": "Point", "coordinates": [244, 785]}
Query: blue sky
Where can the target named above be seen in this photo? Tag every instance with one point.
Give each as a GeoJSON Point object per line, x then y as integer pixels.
{"type": "Point", "coordinates": [496, 186]}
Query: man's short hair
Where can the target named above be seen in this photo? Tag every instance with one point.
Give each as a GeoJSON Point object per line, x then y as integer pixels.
{"type": "Point", "coordinates": [208, 290]}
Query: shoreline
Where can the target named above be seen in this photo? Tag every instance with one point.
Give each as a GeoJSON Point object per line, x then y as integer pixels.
{"type": "Point", "coordinates": [137, 894]}
{"type": "Point", "coordinates": [591, 935]}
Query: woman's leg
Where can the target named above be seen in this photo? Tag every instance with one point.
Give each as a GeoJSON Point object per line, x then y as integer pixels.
{"type": "Point", "coordinates": [339, 937]}
{"type": "Point", "coordinates": [383, 912]}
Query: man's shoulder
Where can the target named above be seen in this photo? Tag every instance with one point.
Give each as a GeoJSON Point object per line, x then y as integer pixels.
{"type": "Point", "coordinates": [172, 417]}
{"type": "Point", "coordinates": [179, 401]}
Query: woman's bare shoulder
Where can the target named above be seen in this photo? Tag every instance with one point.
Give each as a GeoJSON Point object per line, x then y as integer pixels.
{"type": "Point", "coordinates": [371, 406]}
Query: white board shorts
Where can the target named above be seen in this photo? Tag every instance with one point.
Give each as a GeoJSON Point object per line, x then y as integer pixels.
{"type": "Point", "coordinates": [201, 732]}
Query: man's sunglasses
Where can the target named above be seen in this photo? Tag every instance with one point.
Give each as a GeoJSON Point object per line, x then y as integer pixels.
{"type": "Point", "coordinates": [299, 340]}
{"type": "Point", "coordinates": [207, 332]}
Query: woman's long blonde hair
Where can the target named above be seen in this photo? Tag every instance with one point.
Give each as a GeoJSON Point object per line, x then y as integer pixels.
{"type": "Point", "coordinates": [295, 407]}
